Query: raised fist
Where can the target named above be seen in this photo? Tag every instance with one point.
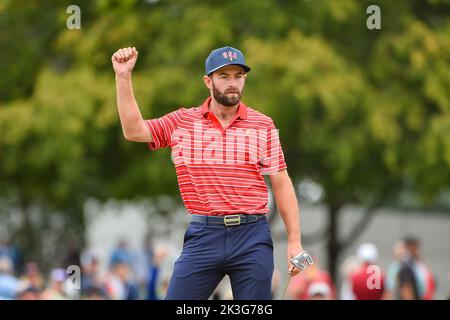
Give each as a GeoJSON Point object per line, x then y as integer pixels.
{"type": "Point", "coordinates": [124, 59]}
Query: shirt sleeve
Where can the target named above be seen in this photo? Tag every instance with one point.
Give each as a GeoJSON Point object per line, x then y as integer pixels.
{"type": "Point", "coordinates": [162, 129]}
{"type": "Point", "coordinates": [273, 158]}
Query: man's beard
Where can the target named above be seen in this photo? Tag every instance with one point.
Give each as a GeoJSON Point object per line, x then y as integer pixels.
{"type": "Point", "coordinates": [226, 99]}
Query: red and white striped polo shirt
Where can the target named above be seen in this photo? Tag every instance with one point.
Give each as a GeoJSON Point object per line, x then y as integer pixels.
{"type": "Point", "coordinates": [220, 171]}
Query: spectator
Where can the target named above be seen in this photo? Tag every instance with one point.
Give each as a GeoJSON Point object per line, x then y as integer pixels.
{"type": "Point", "coordinates": [9, 285]}
{"type": "Point", "coordinates": [32, 277]}
{"type": "Point", "coordinates": [89, 271]}
{"type": "Point", "coordinates": [144, 263]}
{"type": "Point", "coordinates": [9, 250]}
{"type": "Point", "coordinates": [122, 254]}
{"type": "Point", "coordinates": [152, 286]}
{"type": "Point", "coordinates": [367, 281]}
{"type": "Point", "coordinates": [406, 280]}
{"type": "Point", "coordinates": [409, 277]}
{"type": "Point", "coordinates": [399, 250]}
{"type": "Point", "coordinates": [113, 286]}
{"type": "Point", "coordinates": [125, 279]}
{"type": "Point", "coordinates": [56, 289]}
{"type": "Point", "coordinates": [425, 280]}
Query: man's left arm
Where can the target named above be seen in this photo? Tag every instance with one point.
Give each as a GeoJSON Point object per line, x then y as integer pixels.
{"type": "Point", "coordinates": [288, 207]}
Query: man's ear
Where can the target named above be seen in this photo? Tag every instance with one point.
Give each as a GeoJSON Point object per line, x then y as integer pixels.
{"type": "Point", "coordinates": [208, 82]}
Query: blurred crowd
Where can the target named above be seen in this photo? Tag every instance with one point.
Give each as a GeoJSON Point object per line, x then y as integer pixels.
{"type": "Point", "coordinates": [129, 275]}
{"type": "Point", "coordinates": [135, 274]}
{"type": "Point", "coordinates": [407, 278]}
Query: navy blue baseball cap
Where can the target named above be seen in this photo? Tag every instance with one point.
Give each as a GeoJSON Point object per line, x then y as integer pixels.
{"type": "Point", "coordinates": [222, 57]}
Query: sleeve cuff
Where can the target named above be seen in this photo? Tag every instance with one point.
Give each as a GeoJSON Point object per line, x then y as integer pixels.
{"type": "Point", "coordinates": [155, 144]}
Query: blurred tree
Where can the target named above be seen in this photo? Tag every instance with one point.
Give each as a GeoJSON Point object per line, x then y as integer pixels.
{"type": "Point", "coordinates": [21, 60]}
{"type": "Point", "coordinates": [412, 115]}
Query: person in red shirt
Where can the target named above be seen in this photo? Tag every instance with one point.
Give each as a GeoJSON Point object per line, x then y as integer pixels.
{"type": "Point", "coordinates": [221, 150]}
{"type": "Point", "coordinates": [367, 281]}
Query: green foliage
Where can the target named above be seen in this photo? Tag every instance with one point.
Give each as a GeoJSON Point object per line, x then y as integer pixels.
{"type": "Point", "coordinates": [414, 106]}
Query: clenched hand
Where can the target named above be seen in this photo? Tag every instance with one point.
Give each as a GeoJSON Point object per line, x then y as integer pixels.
{"type": "Point", "coordinates": [123, 60]}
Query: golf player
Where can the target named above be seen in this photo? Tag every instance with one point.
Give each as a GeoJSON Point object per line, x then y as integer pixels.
{"type": "Point", "coordinates": [221, 150]}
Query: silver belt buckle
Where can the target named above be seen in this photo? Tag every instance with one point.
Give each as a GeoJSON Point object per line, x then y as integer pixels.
{"type": "Point", "coordinates": [232, 220]}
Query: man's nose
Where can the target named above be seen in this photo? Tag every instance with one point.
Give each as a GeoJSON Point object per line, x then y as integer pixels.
{"type": "Point", "coordinates": [232, 83]}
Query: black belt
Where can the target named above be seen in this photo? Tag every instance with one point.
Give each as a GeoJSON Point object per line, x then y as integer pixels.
{"type": "Point", "coordinates": [228, 220]}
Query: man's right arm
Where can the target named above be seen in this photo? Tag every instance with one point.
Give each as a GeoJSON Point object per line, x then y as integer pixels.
{"type": "Point", "coordinates": [133, 125]}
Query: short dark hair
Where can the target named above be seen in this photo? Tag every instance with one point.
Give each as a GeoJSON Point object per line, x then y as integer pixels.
{"type": "Point", "coordinates": [411, 240]}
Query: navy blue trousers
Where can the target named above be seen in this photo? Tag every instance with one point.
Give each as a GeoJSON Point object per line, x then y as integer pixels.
{"type": "Point", "coordinates": [244, 253]}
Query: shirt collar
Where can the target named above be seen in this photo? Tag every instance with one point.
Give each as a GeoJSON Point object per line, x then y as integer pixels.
{"type": "Point", "coordinates": [241, 112]}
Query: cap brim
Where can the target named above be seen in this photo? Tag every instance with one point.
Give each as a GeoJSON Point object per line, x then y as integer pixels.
{"type": "Point", "coordinates": [243, 66]}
